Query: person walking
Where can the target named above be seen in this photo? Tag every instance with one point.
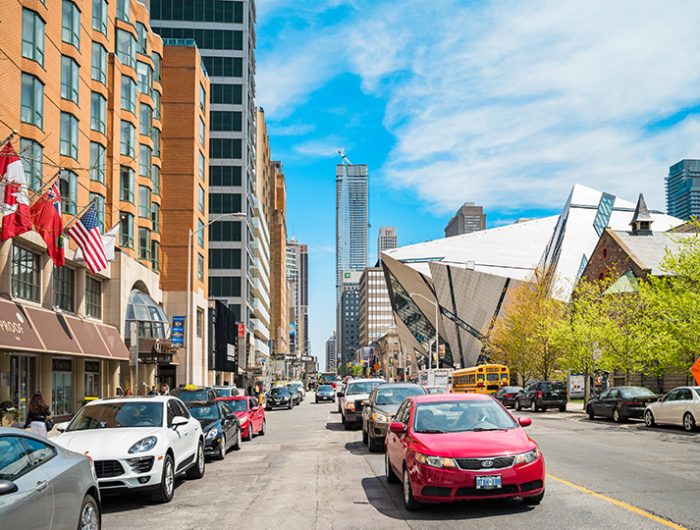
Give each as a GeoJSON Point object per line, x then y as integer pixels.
{"type": "Point", "coordinates": [39, 416]}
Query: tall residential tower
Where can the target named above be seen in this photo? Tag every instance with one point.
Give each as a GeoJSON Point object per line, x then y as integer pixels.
{"type": "Point", "coordinates": [683, 189]}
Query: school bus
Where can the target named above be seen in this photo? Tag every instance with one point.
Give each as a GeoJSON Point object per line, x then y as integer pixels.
{"type": "Point", "coordinates": [482, 379]}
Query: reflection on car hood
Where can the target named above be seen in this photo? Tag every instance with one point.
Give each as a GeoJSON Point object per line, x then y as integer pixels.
{"type": "Point", "coordinates": [356, 397]}
{"type": "Point", "coordinates": [208, 425]}
{"type": "Point", "coordinates": [474, 444]}
{"type": "Point", "coordinates": [103, 444]}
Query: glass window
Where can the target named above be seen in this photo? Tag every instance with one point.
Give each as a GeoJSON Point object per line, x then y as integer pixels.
{"type": "Point", "coordinates": [126, 230]}
{"type": "Point", "coordinates": [156, 142]}
{"type": "Point", "coordinates": [144, 243]}
{"type": "Point", "coordinates": [126, 184]}
{"type": "Point", "coordinates": [224, 286]}
{"type": "Point", "coordinates": [128, 142]}
{"type": "Point", "coordinates": [99, 63]}
{"type": "Point", "coordinates": [155, 255]}
{"type": "Point", "coordinates": [63, 288]}
{"type": "Point", "coordinates": [26, 274]}
{"type": "Point", "coordinates": [143, 38]}
{"type": "Point", "coordinates": [225, 231]}
{"type": "Point", "coordinates": [62, 387]}
{"type": "Point", "coordinates": [145, 161]}
{"type": "Point", "coordinates": [69, 135]}
{"type": "Point", "coordinates": [92, 378]}
{"type": "Point", "coordinates": [200, 267]}
{"type": "Point", "coordinates": [128, 94]}
{"type": "Point", "coordinates": [200, 200]}
{"type": "Point", "coordinates": [202, 98]}
{"type": "Point", "coordinates": [228, 94]}
{"type": "Point", "coordinates": [155, 216]}
{"type": "Point", "coordinates": [97, 162]}
{"type": "Point", "coordinates": [202, 131]}
{"type": "Point", "coordinates": [200, 323]}
{"type": "Point", "coordinates": [32, 101]}
{"type": "Point", "coordinates": [99, 202]}
{"type": "Point", "coordinates": [201, 164]}
{"type": "Point", "coordinates": [21, 454]}
{"type": "Point", "coordinates": [223, 66]}
{"type": "Point", "coordinates": [98, 117]}
{"type": "Point", "coordinates": [157, 67]}
{"type": "Point", "coordinates": [145, 75]}
{"type": "Point", "coordinates": [70, 79]}
{"type": "Point", "coordinates": [99, 16]}
{"type": "Point", "coordinates": [70, 32]}
{"type": "Point", "coordinates": [123, 11]}
{"type": "Point", "coordinates": [33, 160]}
{"type": "Point", "coordinates": [155, 176]}
{"type": "Point", "coordinates": [68, 184]}
{"type": "Point", "coordinates": [200, 232]}
{"type": "Point", "coordinates": [156, 105]}
{"type": "Point", "coordinates": [224, 202]}
{"type": "Point", "coordinates": [144, 202]}
{"type": "Point", "coordinates": [32, 36]}
{"type": "Point", "coordinates": [224, 148]}
{"type": "Point", "coordinates": [224, 175]}
{"type": "Point", "coordinates": [226, 121]}
{"type": "Point", "coordinates": [224, 258]}
{"type": "Point", "coordinates": [145, 119]}
{"type": "Point", "coordinates": [126, 48]}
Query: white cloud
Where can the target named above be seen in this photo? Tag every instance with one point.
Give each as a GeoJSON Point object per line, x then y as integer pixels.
{"type": "Point", "coordinates": [320, 148]}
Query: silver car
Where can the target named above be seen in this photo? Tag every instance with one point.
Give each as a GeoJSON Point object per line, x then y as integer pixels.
{"type": "Point", "coordinates": [45, 486]}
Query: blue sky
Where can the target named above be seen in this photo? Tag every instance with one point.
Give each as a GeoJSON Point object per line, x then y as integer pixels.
{"type": "Point", "coordinates": [504, 103]}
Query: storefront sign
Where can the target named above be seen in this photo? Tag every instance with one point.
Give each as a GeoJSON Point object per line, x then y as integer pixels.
{"type": "Point", "coordinates": [307, 358]}
{"type": "Point", "coordinates": [61, 365]}
{"type": "Point", "coordinates": [92, 366]}
{"type": "Point", "coordinates": [177, 333]}
{"type": "Point", "coordinates": [156, 351]}
{"type": "Point", "coordinates": [241, 330]}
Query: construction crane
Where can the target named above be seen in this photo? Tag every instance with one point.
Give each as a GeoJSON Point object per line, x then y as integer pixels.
{"type": "Point", "coordinates": [346, 160]}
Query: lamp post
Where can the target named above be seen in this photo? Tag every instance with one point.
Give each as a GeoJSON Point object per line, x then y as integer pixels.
{"type": "Point", "coordinates": [188, 312]}
{"type": "Point", "coordinates": [437, 331]}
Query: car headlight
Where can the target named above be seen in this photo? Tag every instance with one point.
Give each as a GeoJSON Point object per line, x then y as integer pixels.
{"type": "Point", "coordinates": [380, 418]}
{"type": "Point", "coordinates": [212, 434]}
{"type": "Point", "coordinates": [350, 407]}
{"type": "Point", "coordinates": [146, 444]}
{"type": "Point", "coordinates": [435, 461]}
{"type": "Point", "coordinates": [285, 398]}
{"type": "Point", "coordinates": [243, 420]}
{"type": "Point", "coordinates": [527, 458]}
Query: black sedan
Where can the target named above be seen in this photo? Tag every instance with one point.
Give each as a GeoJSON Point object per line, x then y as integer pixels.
{"type": "Point", "coordinates": [279, 397]}
{"type": "Point", "coordinates": [295, 393]}
{"type": "Point", "coordinates": [621, 403]}
{"type": "Point", "coordinates": [508, 394]}
{"type": "Point", "coordinates": [325, 393]}
{"type": "Point", "coordinates": [220, 427]}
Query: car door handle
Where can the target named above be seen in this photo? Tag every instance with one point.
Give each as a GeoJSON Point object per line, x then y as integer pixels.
{"type": "Point", "coordinates": [41, 485]}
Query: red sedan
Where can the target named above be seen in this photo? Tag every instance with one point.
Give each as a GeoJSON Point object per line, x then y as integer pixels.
{"type": "Point", "coordinates": [250, 414]}
{"type": "Point", "coordinates": [449, 447]}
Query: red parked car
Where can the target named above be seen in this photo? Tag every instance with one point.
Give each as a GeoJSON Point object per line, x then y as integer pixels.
{"type": "Point", "coordinates": [449, 447]}
{"type": "Point", "coordinates": [249, 412]}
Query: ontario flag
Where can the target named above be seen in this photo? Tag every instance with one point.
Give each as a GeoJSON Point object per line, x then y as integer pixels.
{"type": "Point", "coordinates": [48, 223]}
{"type": "Point", "coordinates": [86, 233]}
{"type": "Point", "coordinates": [16, 217]}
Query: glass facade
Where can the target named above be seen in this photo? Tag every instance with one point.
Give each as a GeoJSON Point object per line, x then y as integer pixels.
{"type": "Point", "coordinates": [64, 288]}
{"type": "Point", "coordinates": [126, 184]}
{"type": "Point", "coordinates": [33, 160]}
{"type": "Point", "coordinates": [68, 184]}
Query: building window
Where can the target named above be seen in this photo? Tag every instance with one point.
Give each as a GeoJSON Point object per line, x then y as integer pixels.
{"type": "Point", "coordinates": [224, 202]}
{"type": "Point", "coordinates": [155, 176]}
{"type": "Point", "coordinates": [97, 162]}
{"type": "Point", "coordinates": [225, 231]}
{"type": "Point", "coordinates": [145, 76]}
{"type": "Point", "coordinates": [226, 121]}
{"type": "Point", "coordinates": [224, 286]}
{"type": "Point", "coordinates": [224, 175]}
{"type": "Point", "coordinates": [128, 94]}
{"type": "Point", "coordinates": [200, 232]}
{"type": "Point", "coordinates": [224, 148]}
{"type": "Point", "coordinates": [123, 10]}
{"type": "Point", "coordinates": [155, 255]}
{"type": "Point", "coordinates": [157, 67]}
{"type": "Point", "coordinates": [92, 378]}
{"type": "Point", "coordinates": [126, 230]}
{"type": "Point", "coordinates": [99, 202]}
{"type": "Point", "coordinates": [223, 66]}
{"type": "Point", "coordinates": [202, 132]}
{"type": "Point", "coordinates": [155, 216]}
{"type": "Point", "coordinates": [99, 16]}
{"type": "Point", "coordinates": [144, 202]}
{"type": "Point", "coordinates": [70, 79]}
{"type": "Point", "coordinates": [26, 274]}
{"type": "Point", "coordinates": [143, 38]}
{"type": "Point", "coordinates": [99, 63]}
{"type": "Point", "coordinates": [62, 387]}
{"type": "Point", "coordinates": [201, 165]}
{"type": "Point", "coordinates": [228, 94]}
{"type": "Point", "coordinates": [145, 119]}
{"type": "Point", "coordinates": [68, 184]}
{"type": "Point", "coordinates": [200, 323]}
{"type": "Point", "coordinates": [200, 200]}
{"type": "Point", "coordinates": [156, 105]}
{"type": "Point", "coordinates": [224, 258]}
{"type": "Point", "coordinates": [200, 267]}
{"type": "Point", "coordinates": [144, 244]}
{"type": "Point", "coordinates": [32, 36]}
{"type": "Point", "coordinates": [69, 135]}
{"type": "Point", "coordinates": [64, 288]}
{"type": "Point", "coordinates": [71, 24]}
{"type": "Point", "coordinates": [202, 98]}
{"type": "Point", "coordinates": [156, 142]}
{"type": "Point", "coordinates": [127, 138]}
{"type": "Point", "coordinates": [145, 161]}
{"type": "Point", "coordinates": [33, 160]}
{"type": "Point", "coordinates": [32, 101]}
{"type": "Point", "coordinates": [126, 184]}
{"type": "Point", "coordinates": [98, 117]}
{"type": "Point", "coordinates": [126, 48]}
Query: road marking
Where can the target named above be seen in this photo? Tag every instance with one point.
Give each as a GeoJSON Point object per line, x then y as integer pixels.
{"type": "Point", "coordinates": [621, 504]}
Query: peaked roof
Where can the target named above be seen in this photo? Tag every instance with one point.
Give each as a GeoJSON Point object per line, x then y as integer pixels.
{"type": "Point", "coordinates": [641, 212]}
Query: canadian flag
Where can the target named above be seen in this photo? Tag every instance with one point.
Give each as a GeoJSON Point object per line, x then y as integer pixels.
{"type": "Point", "coordinates": [16, 216]}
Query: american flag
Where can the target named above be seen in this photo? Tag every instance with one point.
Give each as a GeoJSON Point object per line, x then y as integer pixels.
{"type": "Point", "coordinates": [86, 233]}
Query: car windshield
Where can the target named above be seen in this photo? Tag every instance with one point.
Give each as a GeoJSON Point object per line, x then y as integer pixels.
{"type": "Point", "coordinates": [325, 388]}
{"type": "Point", "coordinates": [395, 395]}
{"type": "Point", "coordinates": [436, 390]}
{"type": "Point", "coordinates": [236, 405]}
{"type": "Point", "coordinates": [460, 416]}
{"type": "Point", "coordinates": [638, 392]}
{"type": "Point", "coordinates": [364, 387]}
{"type": "Point", "coordinates": [223, 392]}
{"type": "Point", "coordinates": [191, 395]}
{"type": "Point", "coordinates": [209, 411]}
{"type": "Point", "coordinates": [118, 415]}
{"type": "Point", "coordinates": [279, 391]}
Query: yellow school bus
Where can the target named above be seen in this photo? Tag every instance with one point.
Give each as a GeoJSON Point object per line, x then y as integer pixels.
{"type": "Point", "coordinates": [482, 379]}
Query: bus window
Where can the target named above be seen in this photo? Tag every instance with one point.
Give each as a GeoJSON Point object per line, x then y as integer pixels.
{"type": "Point", "coordinates": [504, 376]}
{"type": "Point", "coordinates": [479, 377]}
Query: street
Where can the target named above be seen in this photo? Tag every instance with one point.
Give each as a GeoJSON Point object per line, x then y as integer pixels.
{"type": "Point", "coordinates": [308, 472]}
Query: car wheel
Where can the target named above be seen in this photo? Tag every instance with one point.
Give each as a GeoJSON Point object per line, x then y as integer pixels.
{"type": "Point", "coordinates": [250, 432]}
{"type": "Point", "coordinates": [197, 470]}
{"type": "Point", "coordinates": [391, 477]}
{"type": "Point", "coordinates": [317, 401]}
{"type": "Point", "coordinates": [562, 408]}
{"type": "Point", "coordinates": [89, 514]}
{"type": "Point", "coordinates": [166, 490]}
{"type": "Point", "coordinates": [649, 419]}
{"type": "Point", "coordinates": [239, 441]}
{"type": "Point", "coordinates": [533, 406]}
{"type": "Point", "coordinates": [374, 445]}
{"type": "Point", "coordinates": [263, 429]}
{"type": "Point", "coordinates": [365, 436]}
{"type": "Point", "coordinates": [534, 501]}
{"type": "Point", "coordinates": [408, 501]}
{"type": "Point", "coordinates": [290, 405]}
{"type": "Point", "coordinates": [616, 415]}
{"type": "Point", "coordinates": [589, 411]}
{"type": "Point", "coordinates": [689, 422]}
{"type": "Point", "coordinates": [517, 405]}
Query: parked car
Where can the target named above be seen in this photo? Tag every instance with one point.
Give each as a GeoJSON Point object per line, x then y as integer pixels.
{"type": "Point", "coordinates": [356, 391]}
{"type": "Point", "coordinates": [436, 390]}
{"type": "Point", "coordinates": [508, 394]}
{"type": "Point", "coordinates": [294, 392]}
{"type": "Point", "coordinates": [249, 413]}
{"type": "Point", "coordinates": [542, 395]}
{"type": "Point", "coordinates": [300, 387]}
{"type": "Point", "coordinates": [193, 393]}
{"type": "Point", "coordinates": [220, 427]}
{"type": "Point", "coordinates": [621, 403]}
{"type": "Point", "coordinates": [453, 447]}
{"type": "Point", "coordinates": [137, 443]}
{"type": "Point", "coordinates": [279, 397]}
{"type": "Point", "coordinates": [681, 406]}
{"type": "Point", "coordinates": [383, 402]}
{"type": "Point", "coordinates": [226, 391]}
{"type": "Point", "coordinates": [42, 485]}
{"type": "Point", "coordinates": [325, 393]}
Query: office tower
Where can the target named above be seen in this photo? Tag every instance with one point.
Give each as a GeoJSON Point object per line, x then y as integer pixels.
{"type": "Point", "coordinates": [376, 313]}
{"type": "Point", "coordinates": [469, 218]}
{"type": "Point", "coordinates": [278, 264]}
{"type": "Point", "coordinates": [330, 354]}
{"type": "Point", "coordinates": [387, 240]}
{"type": "Point", "coordinates": [351, 218]}
{"type": "Point", "coordinates": [298, 278]}
{"type": "Point", "coordinates": [683, 189]}
{"type": "Point", "coordinates": [348, 325]}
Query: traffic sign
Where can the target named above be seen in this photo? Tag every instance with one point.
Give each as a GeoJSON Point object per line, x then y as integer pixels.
{"type": "Point", "coordinates": [695, 370]}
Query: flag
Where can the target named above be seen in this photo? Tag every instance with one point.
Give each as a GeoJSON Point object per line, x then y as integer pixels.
{"type": "Point", "coordinates": [86, 233]}
{"type": "Point", "coordinates": [48, 223]}
{"type": "Point", "coordinates": [109, 239]}
{"type": "Point", "coordinates": [16, 218]}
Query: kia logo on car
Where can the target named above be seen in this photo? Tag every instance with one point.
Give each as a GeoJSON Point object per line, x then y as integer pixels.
{"type": "Point", "coordinates": [487, 463]}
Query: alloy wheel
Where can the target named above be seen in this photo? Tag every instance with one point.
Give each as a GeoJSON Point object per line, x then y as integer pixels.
{"type": "Point", "coordinates": [649, 418]}
{"type": "Point", "coordinates": [616, 416]}
{"type": "Point", "coordinates": [169, 478]}
{"type": "Point", "coordinates": [688, 422]}
{"type": "Point", "coordinates": [89, 519]}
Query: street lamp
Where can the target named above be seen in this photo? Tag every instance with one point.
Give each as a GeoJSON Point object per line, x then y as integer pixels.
{"type": "Point", "coordinates": [437, 331]}
{"type": "Point", "coordinates": [188, 313]}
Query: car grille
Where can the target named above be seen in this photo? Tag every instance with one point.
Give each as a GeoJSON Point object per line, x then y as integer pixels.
{"type": "Point", "coordinates": [141, 465]}
{"type": "Point", "coordinates": [358, 405]}
{"type": "Point", "coordinates": [531, 486]}
{"type": "Point", "coordinates": [498, 462]}
{"type": "Point", "coordinates": [473, 492]}
{"type": "Point", "coordinates": [436, 491]}
{"type": "Point", "coordinates": [108, 468]}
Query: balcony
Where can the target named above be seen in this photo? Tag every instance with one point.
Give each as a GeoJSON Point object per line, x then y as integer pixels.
{"type": "Point", "coordinates": [260, 292]}
{"type": "Point", "coordinates": [259, 329]}
{"type": "Point", "coordinates": [261, 349]}
{"type": "Point", "coordinates": [260, 311]}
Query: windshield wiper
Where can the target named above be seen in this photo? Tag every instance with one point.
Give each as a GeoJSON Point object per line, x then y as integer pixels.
{"type": "Point", "coordinates": [483, 429]}
{"type": "Point", "coordinates": [431, 431]}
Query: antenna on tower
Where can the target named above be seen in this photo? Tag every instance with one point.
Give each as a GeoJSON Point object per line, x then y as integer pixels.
{"type": "Point", "coordinates": [346, 160]}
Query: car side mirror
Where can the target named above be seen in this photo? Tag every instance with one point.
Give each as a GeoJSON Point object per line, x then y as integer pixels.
{"type": "Point", "coordinates": [340, 394]}
{"type": "Point", "coordinates": [365, 403]}
{"type": "Point", "coordinates": [254, 408]}
{"type": "Point", "coordinates": [525, 421]}
{"type": "Point", "coordinates": [397, 427]}
{"type": "Point", "coordinates": [7, 487]}
{"type": "Point", "coordinates": [230, 416]}
{"type": "Point", "coordinates": [179, 420]}
{"type": "Point", "coordinates": [61, 427]}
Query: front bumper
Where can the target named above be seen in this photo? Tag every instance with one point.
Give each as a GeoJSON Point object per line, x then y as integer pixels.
{"type": "Point", "coordinates": [140, 472]}
{"type": "Point", "coordinates": [211, 446]}
{"type": "Point", "coordinates": [325, 397]}
{"type": "Point", "coordinates": [378, 430]}
{"type": "Point", "coordinates": [276, 405]}
{"type": "Point", "coordinates": [353, 418]}
{"type": "Point", "coordinates": [431, 484]}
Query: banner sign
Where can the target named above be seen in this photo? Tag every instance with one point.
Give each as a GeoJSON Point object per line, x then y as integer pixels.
{"type": "Point", "coordinates": [177, 333]}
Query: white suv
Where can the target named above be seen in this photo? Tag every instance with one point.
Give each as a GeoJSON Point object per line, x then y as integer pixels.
{"type": "Point", "coordinates": [137, 443]}
{"type": "Point", "coordinates": [351, 397]}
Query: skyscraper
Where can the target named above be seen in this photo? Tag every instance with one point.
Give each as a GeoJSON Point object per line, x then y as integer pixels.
{"type": "Point", "coordinates": [348, 326]}
{"type": "Point", "coordinates": [387, 240]}
{"type": "Point", "coordinates": [376, 313]}
{"type": "Point", "coordinates": [351, 218]}
{"type": "Point", "coordinates": [330, 354]}
{"type": "Point", "coordinates": [469, 218]}
{"type": "Point", "coordinates": [298, 278]}
{"type": "Point", "coordinates": [683, 189]}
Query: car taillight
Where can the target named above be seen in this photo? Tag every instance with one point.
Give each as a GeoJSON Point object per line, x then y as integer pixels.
{"type": "Point", "coordinates": [632, 404]}
{"type": "Point", "coordinates": [333, 385]}
{"type": "Point", "coordinates": [480, 384]}
{"type": "Point", "coordinates": [510, 395]}
{"type": "Point", "coordinates": [539, 393]}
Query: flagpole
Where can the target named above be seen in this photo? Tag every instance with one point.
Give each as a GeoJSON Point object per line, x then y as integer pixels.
{"type": "Point", "coordinates": [77, 215]}
{"type": "Point", "coordinates": [10, 137]}
{"type": "Point", "coordinates": [38, 193]}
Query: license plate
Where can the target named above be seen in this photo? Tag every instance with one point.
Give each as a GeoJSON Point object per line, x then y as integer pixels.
{"type": "Point", "coordinates": [490, 482]}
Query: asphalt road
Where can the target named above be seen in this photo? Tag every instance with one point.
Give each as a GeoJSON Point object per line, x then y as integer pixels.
{"type": "Point", "coordinates": [309, 473]}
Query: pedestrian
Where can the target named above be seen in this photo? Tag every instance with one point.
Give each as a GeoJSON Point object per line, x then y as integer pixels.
{"type": "Point", "coordinates": [165, 389]}
{"type": "Point", "coordinates": [39, 416]}
{"type": "Point", "coordinates": [250, 390]}
{"type": "Point", "coordinates": [128, 392]}
{"type": "Point", "coordinates": [153, 391]}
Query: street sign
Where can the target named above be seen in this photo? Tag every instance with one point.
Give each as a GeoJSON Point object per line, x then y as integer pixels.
{"type": "Point", "coordinates": [695, 370]}
{"type": "Point", "coordinates": [241, 330]}
{"type": "Point", "coordinates": [177, 333]}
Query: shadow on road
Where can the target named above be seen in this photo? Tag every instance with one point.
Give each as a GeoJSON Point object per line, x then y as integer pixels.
{"type": "Point", "coordinates": [356, 448]}
{"type": "Point", "coordinates": [334, 426]}
{"type": "Point", "coordinates": [124, 502]}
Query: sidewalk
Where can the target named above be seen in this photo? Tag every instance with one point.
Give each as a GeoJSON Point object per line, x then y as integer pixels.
{"type": "Point", "coordinates": [575, 408]}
